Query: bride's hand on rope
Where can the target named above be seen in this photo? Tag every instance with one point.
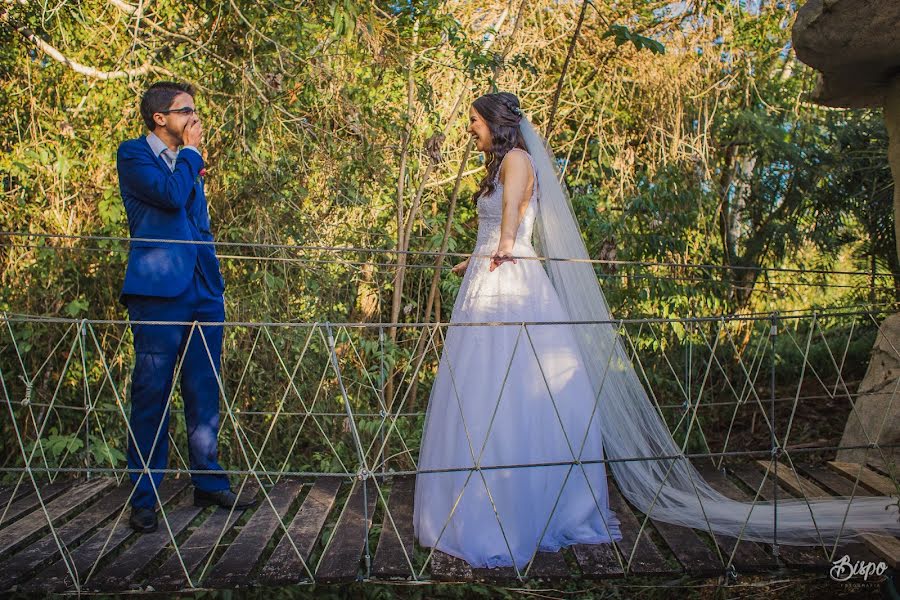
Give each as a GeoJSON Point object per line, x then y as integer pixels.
{"type": "Point", "coordinates": [460, 268]}
{"type": "Point", "coordinates": [501, 256]}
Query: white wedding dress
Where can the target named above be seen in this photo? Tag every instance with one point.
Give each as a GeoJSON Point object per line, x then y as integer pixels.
{"type": "Point", "coordinates": [510, 395]}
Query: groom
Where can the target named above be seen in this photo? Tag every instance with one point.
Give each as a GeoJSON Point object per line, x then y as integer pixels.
{"type": "Point", "coordinates": [162, 188]}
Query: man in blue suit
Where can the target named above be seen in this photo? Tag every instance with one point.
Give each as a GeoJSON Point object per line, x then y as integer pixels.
{"type": "Point", "coordinates": [175, 280]}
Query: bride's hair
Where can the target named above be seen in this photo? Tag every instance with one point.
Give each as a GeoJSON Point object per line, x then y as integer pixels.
{"type": "Point", "coordinates": [502, 114]}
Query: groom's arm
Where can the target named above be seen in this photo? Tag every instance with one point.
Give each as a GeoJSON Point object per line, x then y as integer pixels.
{"type": "Point", "coordinates": [169, 191]}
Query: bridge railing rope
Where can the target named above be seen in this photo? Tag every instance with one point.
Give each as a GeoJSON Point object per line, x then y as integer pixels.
{"type": "Point", "coordinates": [307, 400]}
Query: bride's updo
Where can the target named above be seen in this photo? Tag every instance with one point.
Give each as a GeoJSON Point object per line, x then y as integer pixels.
{"type": "Point", "coordinates": [502, 114]}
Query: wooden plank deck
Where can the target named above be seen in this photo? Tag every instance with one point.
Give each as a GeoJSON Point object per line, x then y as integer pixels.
{"type": "Point", "coordinates": [81, 560]}
{"type": "Point", "coordinates": [608, 560]}
{"type": "Point", "coordinates": [340, 561]}
{"type": "Point", "coordinates": [233, 568]}
{"type": "Point", "coordinates": [46, 550]}
{"type": "Point", "coordinates": [321, 528]}
{"type": "Point", "coordinates": [885, 547]}
{"type": "Point", "coordinates": [812, 558]}
{"type": "Point", "coordinates": [18, 533]}
{"type": "Point", "coordinates": [171, 575]}
{"type": "Point", "coordinates": [122, 573]}
{"type": "Point", "coordinates": [289, 564]}
{"type": "Point", "coordinates": [25, 500]}
{"type": "Point", "coordinates": [749, 557]}
{"type": "Point", "coordinates": [394, 557]}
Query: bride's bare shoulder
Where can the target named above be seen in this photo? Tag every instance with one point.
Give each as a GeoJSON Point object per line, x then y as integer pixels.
{"type": "Point", "coordinates": [516, 163]}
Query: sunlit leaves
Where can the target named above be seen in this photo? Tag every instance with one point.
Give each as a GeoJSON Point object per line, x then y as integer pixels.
{"type": "Point", "coordinates": [622, 35]}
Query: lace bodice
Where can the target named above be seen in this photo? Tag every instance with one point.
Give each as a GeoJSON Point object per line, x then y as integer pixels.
{"type": "Point", "coordinates": [490, 213]}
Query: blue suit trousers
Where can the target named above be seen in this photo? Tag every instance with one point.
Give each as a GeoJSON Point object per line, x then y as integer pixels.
{"type": "Point", "coordinates": [158, 349]}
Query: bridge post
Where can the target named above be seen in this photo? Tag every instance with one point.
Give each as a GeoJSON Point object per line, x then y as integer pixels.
{"type": "Point", "coordinates": [776, 449]}
{"type": "Point", "coordinates": [87, 400]}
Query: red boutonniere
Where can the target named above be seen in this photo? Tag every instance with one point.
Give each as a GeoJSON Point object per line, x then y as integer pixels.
{"type": "Point", "coordinates": [203, 172]}
{"type": "Point", "coordinates": [200, 175]}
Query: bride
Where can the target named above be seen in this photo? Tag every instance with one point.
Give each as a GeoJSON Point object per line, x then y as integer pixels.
{"type": "Point", "coordinates": [512, 455]}
{"type": "Point", "coordinates": [509, 394]}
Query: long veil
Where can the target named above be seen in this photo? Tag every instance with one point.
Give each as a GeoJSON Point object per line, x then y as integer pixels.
{"type": "Point", "coordinates": [670, 490]}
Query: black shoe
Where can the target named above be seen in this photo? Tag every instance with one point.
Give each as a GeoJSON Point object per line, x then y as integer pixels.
{"type": "Point", "coordinates": [143, 520]}
{"type": "Point", "coordinates": [223, 498]}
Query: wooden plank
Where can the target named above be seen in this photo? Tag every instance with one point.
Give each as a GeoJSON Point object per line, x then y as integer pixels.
{"type": "Point", "coordinates": [10, 493]}
{"type": "Point", "coordinates": [691, 551]}
{"type": "Point", "coordinates": [284, 567]}
{"type": "Point", "coordinates": [197, 548]}
{"type": "Point", "coordinates": [599, 560]}
{"type": "Point", "coordinates": [830, 480]}
{"type": "Point", "coordinates": [791, 480]}
{"type": "Point", "coordinates": [55, 578]}
{"type": "Point", "coordinates": [495, 575]}
{"type": "Point", "coordinates": [449, 568]}
{"type": "Point", "coordinates": [395, 545]}
{"type": "Point", "coordinates": [802, 557]}
{"type": "Point", "coordinates": [19, 533]}
{"type": "Point", "coordinates": [879, 466]}
{"type": "Point", "coordinates": [884, 546]}
{"type": "Point", "coordinates": [549, 565]}
{"type": "Point", "coordinates": [888, 470]}
{"type": "Point", "coordinates": [42, 552]}
{"type": "Point", "coordinates": [120, 575]}
{"type": "Point", "coordinates": [867, 477]}
{"type": "Point", "coordinates": [788, 477]}
{"type": "Point", "coordinates": [26, 500]}
{"type": "Point", "coordinates": [237, 562]}
{"type": "Point", "coordinates": [749, 556]}
{"type": "Point", "coordinates": [340, 561]}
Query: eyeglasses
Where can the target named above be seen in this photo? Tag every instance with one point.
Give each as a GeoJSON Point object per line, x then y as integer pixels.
{"type": "Point", "coordinates": [186, 110]}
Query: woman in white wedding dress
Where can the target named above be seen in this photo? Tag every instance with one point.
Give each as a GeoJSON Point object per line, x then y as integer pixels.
{"type": "Point", "coordinates": [510, 394]}
{"type": "Point", "coordinates": [558, 395]}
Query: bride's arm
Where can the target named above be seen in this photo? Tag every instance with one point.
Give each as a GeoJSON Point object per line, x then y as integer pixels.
{"type": "Point", "coordinates": [514, 175]}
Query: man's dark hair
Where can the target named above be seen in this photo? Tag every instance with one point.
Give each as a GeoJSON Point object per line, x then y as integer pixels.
{"type": "Point", "coordinates": [159, 97]}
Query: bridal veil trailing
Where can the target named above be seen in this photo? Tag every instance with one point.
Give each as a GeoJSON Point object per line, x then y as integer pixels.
{"type": "Point", "coordinates": [670, 489]}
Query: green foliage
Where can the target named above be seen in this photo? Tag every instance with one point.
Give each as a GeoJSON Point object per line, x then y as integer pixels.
{"type": "Point", "coordinates": [57, 445]}
{"type": "Point", "coordinates": [683, 132]}
{"type": "Point", "coordinates": [622, 35]}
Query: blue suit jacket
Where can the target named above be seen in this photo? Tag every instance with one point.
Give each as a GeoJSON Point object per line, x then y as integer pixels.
{"type": "Point", "coordinates": [162, 204]}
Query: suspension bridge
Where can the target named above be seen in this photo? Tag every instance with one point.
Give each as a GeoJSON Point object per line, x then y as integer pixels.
{"type": "Point", "coordinates": [321, 421]}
